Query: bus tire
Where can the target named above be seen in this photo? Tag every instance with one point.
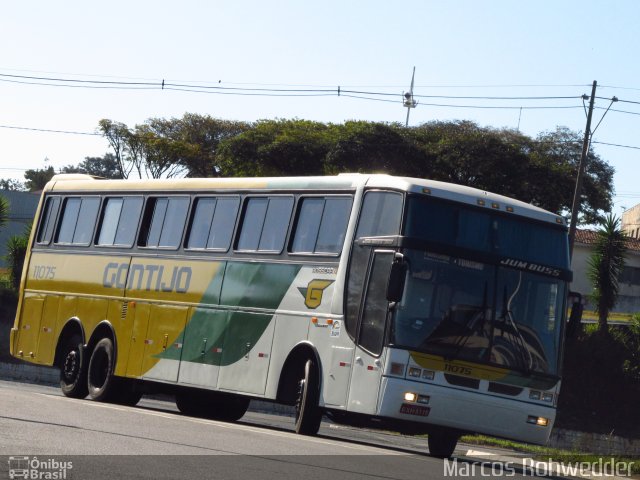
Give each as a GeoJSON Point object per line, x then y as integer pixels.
{"type": "Point", "coordinates": [126, 393]}
{"type": "Point", "coordinates": [308, 413]}
{"type": "Point", "coordinates": [100, 380]}
{"type": "Point", "coordinates": [212, 405]}
{"type": "Point", "coordinates": [442, 444]}
{"type": "Point", "coordinates": [229, 408]}
{"type": "Point", "coordinates": [73, 375]}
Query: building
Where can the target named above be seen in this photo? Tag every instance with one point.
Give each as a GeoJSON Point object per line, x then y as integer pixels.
{"type": "Point", "coordinates": [22, 210]}
{"type": "Point", "coordinates": [631, 221]}
{"type": "Point", "coordinates": [629, 299]}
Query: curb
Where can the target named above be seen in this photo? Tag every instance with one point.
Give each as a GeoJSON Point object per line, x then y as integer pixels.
{"type": "Point", "coordinates": [29, 373]}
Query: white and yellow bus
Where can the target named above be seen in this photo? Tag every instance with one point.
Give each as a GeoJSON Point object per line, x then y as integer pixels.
{"type": "Point", "coordinates": [408, 304]}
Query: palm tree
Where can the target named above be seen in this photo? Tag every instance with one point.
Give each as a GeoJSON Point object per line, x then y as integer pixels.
{"type": "Point", "coordinates": [605, 266]}
{"type": "Point", "coordinates": [4, 210]}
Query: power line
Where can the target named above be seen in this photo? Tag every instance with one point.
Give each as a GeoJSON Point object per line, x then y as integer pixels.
{"type": "Point", "coordinates": [617, 145]}
{"type": "Point", "coordinates": [46, 130]}
{"type": "Point", "coordinates": [167, 85]}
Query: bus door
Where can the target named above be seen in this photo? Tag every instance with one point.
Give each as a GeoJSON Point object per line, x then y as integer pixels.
{"type": "Point", "coordinates": [368, 362]}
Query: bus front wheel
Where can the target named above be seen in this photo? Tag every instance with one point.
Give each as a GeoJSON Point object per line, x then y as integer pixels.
{"type": "Point", "coordinates": [442, 444]}
{"type": "Point", "coordinates": [73, 377]}
{"type": "Point", "coordinates": [308, 413]}
{"type": "Point", "coordinates": [101, 381]}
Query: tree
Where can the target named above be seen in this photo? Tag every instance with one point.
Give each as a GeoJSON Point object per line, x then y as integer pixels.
{"type": "Point", "coordinates": [4, 211]}
{"type": "Point", "coordinates": [541, 171]}
{"type": "Point", "coordinates": [605, 266]}
{"type": "Point", "coordinates": [559, 153]}
{"type": "Point", "coordinates": [118, 135]}
{"type": "Point", "coordinates": [203, 135]}
{"type": "Point", "coordinates": [38, 178]}
{"type": "Point", "coordinates": [276, 148]}
{"type": "Point", "coordinates": [104, 167]}
{"type": "Point", "coordinates": [461, 152]}
{"type": "Point", "coordinates": [16, 253]}
{"type": "Point", "coordinates": [11, 184]}
{"type": "Point", "coordinates": [375, 147]}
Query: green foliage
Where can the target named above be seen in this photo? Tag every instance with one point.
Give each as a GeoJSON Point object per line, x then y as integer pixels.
{"type": "Point", "coordinates": [541, 171]}
{"type": "Point", "coordinates": [164, 148]}
{"type": "Point", "coordinates": [4, 211]}
{"type": "Point", "coordinates": [559, 153]}
{"type": "Point", "coordinates": [277, 148]}
{"type": "Point", "coordinates": [104, 167]}
{"type": "Point", "coordinates": [11, 184]}
{"type": "Point", "coordinates": [600, 391]}
{"type": "Point", "coordinates": [16, 252]}
{"type": "Point", "coordinates": [375, 148]}
{"type": "Point", "coordinates": [629, 337]}
{"type": "Point", "coordinates": [604, 268]}
{"type": "Point", "coordinates": [38, 178]}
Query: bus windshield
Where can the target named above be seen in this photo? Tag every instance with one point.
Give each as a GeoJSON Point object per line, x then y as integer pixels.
{"type": "Point", "coordinates": [462, 226]}
{"type": "Point", "coordinates": [473, 311]}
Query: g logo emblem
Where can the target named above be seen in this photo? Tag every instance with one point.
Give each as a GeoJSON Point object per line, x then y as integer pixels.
{"type": "Point", "coordinates": [313, 293]}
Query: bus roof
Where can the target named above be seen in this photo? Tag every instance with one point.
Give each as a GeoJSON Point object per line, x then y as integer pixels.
{"type": "Point", "coordinates": [343, 181]}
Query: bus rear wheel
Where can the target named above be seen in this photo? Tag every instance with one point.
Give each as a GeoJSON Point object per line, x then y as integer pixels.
{"type": "Point", "coordinates": [100, 379]}
{"type": "Point", "coordinates": [212, 405]}
{"type": "Point", "coordinates": [73, 377]}
{"type": "Point", "coordinates": [308, 413]}
{"type": "Point", "coordinates": [442, 444]}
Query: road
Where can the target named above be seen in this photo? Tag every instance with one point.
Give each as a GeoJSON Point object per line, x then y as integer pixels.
{"type": "Point", "coordinates": [153, 440]}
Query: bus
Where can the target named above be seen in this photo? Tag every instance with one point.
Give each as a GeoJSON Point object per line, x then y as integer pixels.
{"type": "Point", "coordinates": [406, 304]}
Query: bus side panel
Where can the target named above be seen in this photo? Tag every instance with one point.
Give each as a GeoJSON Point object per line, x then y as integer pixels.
{"type": "Point", "coordinates": [289, 331]}
{"type": "Point", "coordinates": [118, 317]}
{"type": "Point", "coordinates": [245, 358]}
{"type": "Point", "coordinates": [48, 332]}
{"type": "Point", "coordinates": [163, 342]}
{"type": "Point", "coordinates": [138, 315]}
{"type": "Point", "coordinates": [91, 311]}
{"type": "Point", "coordinates": [29, 326]}
{"type": "Point", "coordinates": [203, 347]}
{"type": "Point", "coordinates": [66, 310]}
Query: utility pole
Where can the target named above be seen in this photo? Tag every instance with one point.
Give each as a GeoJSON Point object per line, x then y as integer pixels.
{"type": "Point", "coordinates": [409, 102]}
{"type": "Point", "coordinates": [581, 169]}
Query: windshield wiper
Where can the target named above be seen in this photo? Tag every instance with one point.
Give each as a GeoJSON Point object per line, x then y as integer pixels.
{"type": "Point", "coordinates": [470, 326]}
{"type": "Point", "coordinates": [520, 344]}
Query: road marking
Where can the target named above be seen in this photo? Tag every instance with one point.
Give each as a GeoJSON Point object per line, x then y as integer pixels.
{"type": "Point", "coordinates": [231, 426]}
{"type": "Point", "coordinates": [478, 453]}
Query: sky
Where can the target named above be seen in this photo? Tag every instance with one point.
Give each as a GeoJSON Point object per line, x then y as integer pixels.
{"type": "Point", "coordinates": [537, 51]}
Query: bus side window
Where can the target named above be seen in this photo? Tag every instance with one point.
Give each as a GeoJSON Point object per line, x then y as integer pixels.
{"type": "Point", "coordinates": [321, 225]}
{"type": "Point", "coordinates": [381, 214]}
{"type": "Point", "coordinates": [48, 221]}
{"type": "Point", "coordinates": [212, 223]}
{"type": "Point", "coordinates": [164, 221]}
{"type": "Point", "coordinates": [265, 224]}
{"type": "Point", "coordinates": [78, 220]}
{"type": "Point", "coordinates": [120, 217]}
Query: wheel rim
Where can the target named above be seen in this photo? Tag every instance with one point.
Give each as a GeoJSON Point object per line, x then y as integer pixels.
{"type": "Point", "coordinates": [70, 369]}
{"type": "Point", "coordinates": [301, 386]}
{"type": "Point", "coordinates": [99, 369]}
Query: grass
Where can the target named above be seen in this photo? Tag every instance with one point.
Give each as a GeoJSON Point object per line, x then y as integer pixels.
{"type": "Point", "coordinates": [5, 280]}
{"type": "Point", "coordinates": [541, 453]}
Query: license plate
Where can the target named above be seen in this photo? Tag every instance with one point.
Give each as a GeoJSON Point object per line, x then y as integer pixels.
{"type": "Point", "coordinates": [414, 410]}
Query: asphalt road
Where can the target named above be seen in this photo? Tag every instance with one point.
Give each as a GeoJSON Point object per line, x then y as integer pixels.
{"type": "Point", "coordinates": [153, 440]}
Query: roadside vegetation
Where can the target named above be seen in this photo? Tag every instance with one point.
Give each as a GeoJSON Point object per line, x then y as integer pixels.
{"type": "Point", "coordinates": [544, 454]}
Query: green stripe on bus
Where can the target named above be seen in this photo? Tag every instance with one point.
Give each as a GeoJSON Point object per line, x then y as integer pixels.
{"type": "Point", "coordinates": [222, 337]}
